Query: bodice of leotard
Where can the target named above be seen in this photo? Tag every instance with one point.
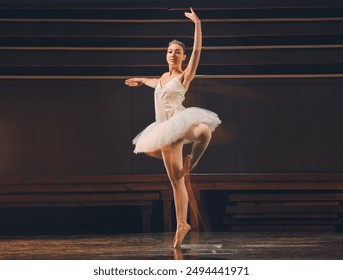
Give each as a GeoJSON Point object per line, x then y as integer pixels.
{"type": "Point", "coordinates": [168, 99]}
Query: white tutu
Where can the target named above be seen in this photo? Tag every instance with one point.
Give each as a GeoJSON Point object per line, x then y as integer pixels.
{"type": "Point", "coordinates": [173, 120]}
{"type": "Point", "coordinates": [160, 134]}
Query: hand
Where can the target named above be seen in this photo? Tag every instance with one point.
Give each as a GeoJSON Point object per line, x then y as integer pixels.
{"type": "Point", "coordinates": [192, 16]}
{"type": "Point", "coordinates": [134, 82]}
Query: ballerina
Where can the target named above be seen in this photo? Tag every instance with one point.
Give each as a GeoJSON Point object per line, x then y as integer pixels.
{"type": "Point", "coordinates": [176, 125]}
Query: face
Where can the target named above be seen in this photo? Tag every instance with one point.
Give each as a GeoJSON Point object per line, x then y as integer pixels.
{"type": "Point", "coordinates": [175, 54]}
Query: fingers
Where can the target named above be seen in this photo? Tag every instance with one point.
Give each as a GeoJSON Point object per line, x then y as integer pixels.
{"type": "Point", "coordinates": [133, 82]}
{"type": "Point", "coordinates": [192, 15]}
{"type": "Point", "coordinates": [189, 14]}
{"type": "Point", "coordinates": [130, 82]}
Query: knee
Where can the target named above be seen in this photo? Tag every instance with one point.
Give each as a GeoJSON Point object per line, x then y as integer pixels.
{"type": "Point", "coordinates": [176, 182]}
{"type": "Point", "coordinates": [205, 134]}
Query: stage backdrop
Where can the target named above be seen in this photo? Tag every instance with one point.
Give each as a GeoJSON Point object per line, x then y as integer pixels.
{"type": "Point", "coordinates": [272, 71]}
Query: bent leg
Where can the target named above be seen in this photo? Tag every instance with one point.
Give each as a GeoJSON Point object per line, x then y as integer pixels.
{"type": "Point", "coordinates": [155, 154]}
{"type": "Point", "coordinates": [201, 135]}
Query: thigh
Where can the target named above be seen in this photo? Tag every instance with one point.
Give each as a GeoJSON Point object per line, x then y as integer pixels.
{"type": "Point", "coordinates": [156, 154]}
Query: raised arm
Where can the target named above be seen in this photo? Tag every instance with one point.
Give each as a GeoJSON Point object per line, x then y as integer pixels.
{"type": "Point", "coordinates": [137, 82]}
{"type": "Point", "coordinates": [190, 71]}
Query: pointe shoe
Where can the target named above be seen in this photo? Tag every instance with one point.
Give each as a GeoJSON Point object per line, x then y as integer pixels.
{"type": "Point", "coordinates": [186, 167]}
{"type": "Point", "coordinates": [180, 234]}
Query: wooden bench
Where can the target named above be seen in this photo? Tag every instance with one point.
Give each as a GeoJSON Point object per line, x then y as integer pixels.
{"type": "Point", "coordinates": [143, 190]}
{"type": "Point", "coordinates": [81, 191]}
{"type": "Point", "coordinates": [273, 201]}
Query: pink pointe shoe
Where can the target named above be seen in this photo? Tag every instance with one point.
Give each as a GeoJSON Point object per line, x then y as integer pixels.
{"type": "Point", "coordinates": [180, 234]}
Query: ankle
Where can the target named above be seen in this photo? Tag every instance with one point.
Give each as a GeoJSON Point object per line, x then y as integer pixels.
{"type": "Point", "coordinates": [182, 224]}
{"type": "Point", "coordinates": [187, 167]}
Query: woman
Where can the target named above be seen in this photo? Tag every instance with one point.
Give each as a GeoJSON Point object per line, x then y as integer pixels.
{"type": "Point", "coordinates": [176, 125]}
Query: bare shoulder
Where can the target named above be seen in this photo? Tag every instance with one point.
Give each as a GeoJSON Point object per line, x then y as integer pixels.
{"type": "Point", "coordinates": [164, 75]}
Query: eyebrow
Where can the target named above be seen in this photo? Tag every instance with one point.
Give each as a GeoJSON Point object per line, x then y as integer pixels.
{"type": "Point", "coordinates": [177, 49]}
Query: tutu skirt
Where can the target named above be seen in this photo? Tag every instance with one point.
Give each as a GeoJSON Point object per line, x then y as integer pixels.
{"type": "Point", "coordinates": [160, 134]}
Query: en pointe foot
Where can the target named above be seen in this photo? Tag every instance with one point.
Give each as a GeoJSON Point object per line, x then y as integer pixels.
{"type": "Point", "coordinates": [180, 234]}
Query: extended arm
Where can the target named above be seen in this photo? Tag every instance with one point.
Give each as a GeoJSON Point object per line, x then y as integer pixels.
{"type": "Point", "coordinates": [190, 71]}
{"type": "Point", "coordinates": [137, 82]}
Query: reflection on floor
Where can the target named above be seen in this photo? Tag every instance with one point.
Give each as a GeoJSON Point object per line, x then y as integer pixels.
{"type": "Point", "coordinates": [203, 245]}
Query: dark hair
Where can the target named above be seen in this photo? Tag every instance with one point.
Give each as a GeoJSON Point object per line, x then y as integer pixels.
{"type": "Point", "coordinates": [179, 43]}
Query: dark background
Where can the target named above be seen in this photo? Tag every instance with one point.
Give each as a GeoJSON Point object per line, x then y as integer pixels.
{"type": "Point", "coordinates": [62, 127]}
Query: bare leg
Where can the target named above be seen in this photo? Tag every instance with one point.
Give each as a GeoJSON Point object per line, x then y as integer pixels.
{"type": "Point", "coordinates": [201, 134]}
{"type": "Point", "coordinates": [172, 158]}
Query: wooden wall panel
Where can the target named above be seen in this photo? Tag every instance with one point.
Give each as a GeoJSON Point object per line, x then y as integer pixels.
{"type": "Point", "coordinates": [64, 127]}
{"type": "Point", "coordinates": [289, 126]}
{"type": "Point", "coordinates": [86, 127]}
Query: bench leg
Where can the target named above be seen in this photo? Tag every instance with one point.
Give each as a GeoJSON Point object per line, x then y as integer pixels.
{"type": "Point", "coordinates": [167, 215]}
{"type": "Point", "coordinates": [194, 198]}
{"type": "Point", "coordinates": [194, 214]}
{"type": "Point", "coordinates": [146, 212]}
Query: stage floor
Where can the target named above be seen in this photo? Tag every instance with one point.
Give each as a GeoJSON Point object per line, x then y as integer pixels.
{"type": "Point", "coordinates": [158, 246]}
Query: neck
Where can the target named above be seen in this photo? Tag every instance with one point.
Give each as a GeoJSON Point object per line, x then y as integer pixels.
{"type": "Point", "coordinates": [175, 70]}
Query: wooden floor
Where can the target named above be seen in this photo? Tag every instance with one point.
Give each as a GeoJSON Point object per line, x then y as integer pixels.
{"type": "Point", "coordinates": [197, 246]}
